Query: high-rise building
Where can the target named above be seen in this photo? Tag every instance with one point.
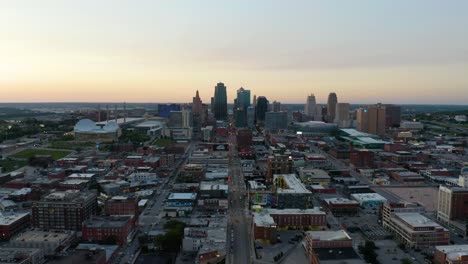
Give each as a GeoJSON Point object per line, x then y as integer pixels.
{"type": "Point", "coordinates": [180, 119]}
{"type": "Point", "coordinates": [310, 105]}
{"type": "Point", "coordinates": [251, 116]}
{"type": "Point", "coordinates": [276, 106]}
{"type": "Point", "coordinates": [197, 113]}
{"type": "Point", "coordinates": [392, 115]}
{"type": "Point", "coordinates": [371, 119]}
{"type": "Point", "coordinates": [342, 115]}
{"type": "Point", "coordinates": [319, 112]}
{"type": "Point", "coordinates": [276, 121]}
{"type": "Point", "coordinates": [220, 102]}
{"type": "Point", "coordinates": [165, 109]}
{"type": "Point", "coordinates": [240, 117]}
{"type": "Point", "coordinates": [331, 107]}
{"type": "Point", "coordinates": [197, 103]}
{"type": "Point", "coordinates": [261, 108]}
{"type": "Point", "coordinates": [64, 210]}
{"type": "Point", "coordinates": [243, 98]}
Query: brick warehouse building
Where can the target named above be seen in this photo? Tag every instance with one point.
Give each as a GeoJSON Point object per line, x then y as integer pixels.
{"type": "Point", "coordinates": [120, 205]}
{"type": "Point", "coordinates": [102, 228]}
{"type": "Point", "coordinates": [64, 210]}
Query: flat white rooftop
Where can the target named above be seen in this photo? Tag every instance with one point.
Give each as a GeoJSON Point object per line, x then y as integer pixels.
{"type": "Point", "coordinates": [8, 219]}
{"type": "Point", "coordinates": [417, 220]}
{"type": "Point", "coordinates": [340, 201]}
{"type": "Point", "coordinates": [182, 196]}
{"type": "Point", "coordinates": [293, 184]}
{"type": "Point", "coordinates": [331, 235]}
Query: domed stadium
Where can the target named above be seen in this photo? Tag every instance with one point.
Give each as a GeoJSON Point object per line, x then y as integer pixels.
{"type": "Point", "coordinates": [314, 127]}
{"type": "Point", "coordinates": [87, 130]}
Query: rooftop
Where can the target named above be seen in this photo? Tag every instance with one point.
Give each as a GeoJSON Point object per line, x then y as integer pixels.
{"type": "Point", "coordinates": [368, 197]}
{"type": "Point", "coordinates": [292, 182]}
{"type": "Point", "coordinates": [8, 219]}
{"type": "Point", "coordinates": [108, 221]}
{"type": "Point", "coordinates": [291, 211]}
{"type": "Point", "coordinates": [329, 235]}
{"type": "Point", "coordinates": [263, 218]}
{"type": "Point", "coordinates": [82, 175]}
{"type": "Point", "coordinates": [339, 201]}
{"type": "Point", "coordinates": [206, 186]}
{"type": "Point", "coordinates": [182, 196]}
{"type": "Point", "coordinates": [416, 220]}
{"type": "Point", "coordinates": [43, 236]}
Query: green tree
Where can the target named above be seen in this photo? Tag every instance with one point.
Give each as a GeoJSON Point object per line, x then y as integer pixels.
{"type": "Point", "coordinates": [110, 240]}
{"type": "Point", "coordinates": [406, 261]}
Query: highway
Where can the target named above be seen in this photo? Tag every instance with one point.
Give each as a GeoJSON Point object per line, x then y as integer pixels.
{"type": "Point", "coordinates": [238, 239]}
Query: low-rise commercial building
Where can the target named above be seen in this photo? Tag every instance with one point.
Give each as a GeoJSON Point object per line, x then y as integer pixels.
{"type": "Point", "coordinates": [120, 205]}
{"type": "Point", "coordinates": [291, 193]}
{"type": "Point", "coordinates": [13, 223]}
{"type": "Point", "coordinates": [266, 222]}
{"type": "Point", "coordinates": [110, 227]}
{"type": "Point", "coordinates": [451, 254]}
{"type": "Point", "coordinates": [341, 206]}
{"type": "Point", "coordinates": [21, 255]}
{"type": "Point", "coordinates": [181, 199]}
{"type": "Point", "coordinates": [415, 230]}
{"type": "Point", "coordinates": [331, 246]}
{"type": "Point", "coordinates": [368, 199]}
{"type": "Point", "coordinates": [51, 242]}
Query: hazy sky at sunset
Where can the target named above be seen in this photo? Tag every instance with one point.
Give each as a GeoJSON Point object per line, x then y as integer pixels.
{"type": "Point", "coordinates": [370, 51]}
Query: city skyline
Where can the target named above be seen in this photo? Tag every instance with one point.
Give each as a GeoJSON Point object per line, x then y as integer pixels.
{"type": "Point", "coordinates": [365, 52]}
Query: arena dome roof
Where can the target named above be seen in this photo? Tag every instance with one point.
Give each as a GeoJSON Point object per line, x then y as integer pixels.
{"type": "Point", "coordinates": [85, 125]}
{"type": "Point", "coordinates": [111, 126]}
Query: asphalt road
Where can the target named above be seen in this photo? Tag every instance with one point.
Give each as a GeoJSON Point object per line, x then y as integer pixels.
{"type": "Point", "coordinates": [239, 241]}
{"type": "Point", "coordinates": [150, 218]}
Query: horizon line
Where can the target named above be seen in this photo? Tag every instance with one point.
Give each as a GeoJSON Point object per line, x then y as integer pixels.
{"type": "Point", "coordinates": [136, 102]}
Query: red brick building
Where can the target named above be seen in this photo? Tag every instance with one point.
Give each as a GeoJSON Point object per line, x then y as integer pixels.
{"type": "Point", "coordinates": [341, 206]}
{"type": "Point", "coordinates": [361, 159]}
{"type": "Point", "coordinates": [11, 224]}
{"type": "Point", "coordinates": [266, 222]}
{"type": "Point", "coordinates": [298, 218]}
{"type": "Point", "coordinates": [120, 205]}
{"type": "Point", "coordinates": [104, 228]}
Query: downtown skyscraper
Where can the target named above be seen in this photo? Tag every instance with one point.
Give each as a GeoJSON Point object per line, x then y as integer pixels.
{"type": "Point", "coordinates": [310, 106]}
{"type": "Point", "coordinates": [220, 102]}
{"type": "Point", "coordinates": [331, 107]}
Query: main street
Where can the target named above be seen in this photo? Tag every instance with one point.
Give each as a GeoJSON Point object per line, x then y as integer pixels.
{"type": "Point", "coordinates": [239, 240]}
{"type": "Point", "coordinates": [150, 218]}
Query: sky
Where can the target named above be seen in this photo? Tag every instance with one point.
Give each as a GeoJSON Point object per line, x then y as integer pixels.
{"type": "Point", "coordinates": [366, 51]}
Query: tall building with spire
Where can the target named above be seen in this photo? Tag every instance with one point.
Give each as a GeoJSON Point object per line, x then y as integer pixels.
{"type": "Point", "coordinates": [197, 113]}
{"type": "Point", "coordinates": [310, 106]}
{"type": "Point", "coordinates": [331, 107]}
{"type": "Point", "coordinates": [220, 102]}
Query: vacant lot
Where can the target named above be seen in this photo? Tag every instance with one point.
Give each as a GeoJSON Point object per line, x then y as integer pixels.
{"type": "Point", "coordinates": [11, 165]}
{"type": "Point", "coordinates": [163, 142]}
{"type": "Point", "coordinates": [28, 153]}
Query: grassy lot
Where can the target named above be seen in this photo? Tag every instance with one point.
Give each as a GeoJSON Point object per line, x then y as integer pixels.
{"type": "Point", "coordinates": [71, 145]}
{"type": "Point", "coordinates": [11, 165]}
{"type": "Point", "coordinates": [162, 142]}
{"type": "Point", "coordinates": [28, 153]}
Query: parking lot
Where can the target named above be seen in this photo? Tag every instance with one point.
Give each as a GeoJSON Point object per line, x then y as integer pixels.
{"type": "Point", "coordinates": [267, 251]}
